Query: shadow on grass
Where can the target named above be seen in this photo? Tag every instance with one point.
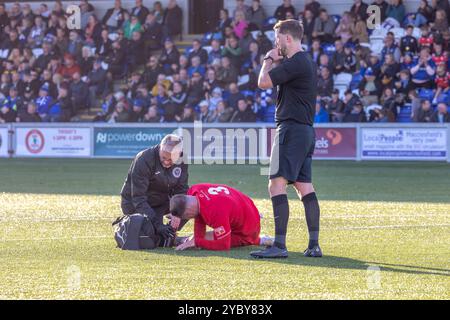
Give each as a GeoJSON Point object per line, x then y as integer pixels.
{"type": "Point", "coordinates": [297, 258]}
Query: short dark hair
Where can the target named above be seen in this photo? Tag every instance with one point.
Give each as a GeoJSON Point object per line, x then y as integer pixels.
{"type": "Point", "coordinates": [292, 27]}
{"type": "Point", "coordinates": [178, 205]}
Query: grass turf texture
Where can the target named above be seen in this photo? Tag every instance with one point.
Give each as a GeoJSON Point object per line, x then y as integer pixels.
{"type": "Point", "coordinates": [56, 238]}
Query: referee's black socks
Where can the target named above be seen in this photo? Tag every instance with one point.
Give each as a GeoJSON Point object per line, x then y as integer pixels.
{"type": "Point", "coordinates": [312, 213]}
{"type": "Point", "coordinates": [280, 206]}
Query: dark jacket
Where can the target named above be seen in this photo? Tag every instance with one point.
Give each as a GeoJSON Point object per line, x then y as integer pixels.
{"type": "Point", "coordinates": [109, 13]}
{"type": "Point", "coordinates": [435, 117]}
{"type": "Point", "coordinates": [149, 185]}
{"type": "Point", "coordinates": [173, 19]}
{"type": "Point", "coordinates": [142, 14]}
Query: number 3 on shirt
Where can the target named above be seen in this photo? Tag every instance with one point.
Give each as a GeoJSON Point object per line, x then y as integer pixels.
{"type": "Point", "coordinates": [216, 191]}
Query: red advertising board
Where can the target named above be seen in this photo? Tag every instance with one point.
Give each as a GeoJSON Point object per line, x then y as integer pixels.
{"type": "Point", "coordinates": [331, 143]}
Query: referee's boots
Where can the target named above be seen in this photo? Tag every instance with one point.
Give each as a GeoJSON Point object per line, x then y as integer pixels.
{"type": "Point", "coordinates": [271, 252]}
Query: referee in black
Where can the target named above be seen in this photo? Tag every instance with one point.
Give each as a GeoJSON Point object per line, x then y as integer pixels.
{"type": "Point", "coordinates": [294, 73]}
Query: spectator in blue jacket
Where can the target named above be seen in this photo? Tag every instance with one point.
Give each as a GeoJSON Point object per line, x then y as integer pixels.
{"type": "Point", "coordinates": [321, 115]}
{"type": "Point", "coordinates": [423, 70]}
{"type": "Point", "coordinates": [43, 102]}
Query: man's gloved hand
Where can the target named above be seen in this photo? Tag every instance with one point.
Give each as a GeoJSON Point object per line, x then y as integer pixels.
{"type": "Point", "coordinates": [166, 231]}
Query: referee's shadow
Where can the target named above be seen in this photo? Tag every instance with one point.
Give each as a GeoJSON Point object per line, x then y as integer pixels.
{"type": "Point", "coordinates": [297, 258]}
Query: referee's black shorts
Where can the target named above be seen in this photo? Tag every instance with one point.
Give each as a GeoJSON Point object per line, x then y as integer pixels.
{"type": "Point", "coordinates": [292, 152]}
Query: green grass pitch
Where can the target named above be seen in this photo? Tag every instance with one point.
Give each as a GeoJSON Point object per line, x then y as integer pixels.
{"type": "Point", "coordinates": [384, 232]}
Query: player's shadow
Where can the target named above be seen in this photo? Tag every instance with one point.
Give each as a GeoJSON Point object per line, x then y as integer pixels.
{"type": "Point", "coordinates": [297, 258]}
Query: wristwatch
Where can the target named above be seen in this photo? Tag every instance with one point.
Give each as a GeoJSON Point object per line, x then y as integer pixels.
{"type": "Point", "coordinates": [269, 58]}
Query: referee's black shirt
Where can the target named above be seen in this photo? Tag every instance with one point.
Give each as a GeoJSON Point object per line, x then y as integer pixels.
{"type": "Point", "coordinates": [296, 79]}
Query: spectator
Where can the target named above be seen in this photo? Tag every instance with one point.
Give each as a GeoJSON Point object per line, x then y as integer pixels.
{"type": "Point", "coordinates": [316, 50]}
{"type": "Point", "coordinates": [226, 73]}
{"type": "Point", "coordinates": [173, 19]}
{"type": "Point", "coordinates": [335, 107]}
{"type": "Point", "coordinates": [425, 113]}
{"type": "Point", "coordinates": [204, 114]}
{"type": "Point", "coordinates": [197, 50]}
{"type": "Point", "coordinates": [215, 98]}
{"type": "Point", "coordinates": [389, 104]}
{"type": "Point", "coordinates": [325, 83]}
{"type": "Point", "coordinates": [324, 27]}
{"type": "Point", "coordinates": [308, 26]}
{"type": "Point", "coordinates": [239, 24]}
{"type": "Point", "coordinates": [131, 26]}
{"type": "Point", "coordinates": [85, 15]}
{"type": "Point", "coordinates": [114, 17]}
{"type": "Point", "coordinates": [74, 45]}
{"type": "Point", "coordinates": [215, 53]}
{"type": "Point", "coordinates": [62, 107]}
{"type": "Point", "coordinates": [441, 115]}
{"type": "Point", "coordinates": [136, 51]}
{"type": "Point", "coordinates": [389, 71]}
{"type": "Point", "coordinates": [234, 96]}
{"type": "Point", "coordinates": [378, 115]}
{"type": "Point", "coordinates": [423, 15]}
{"type": "Point", "coordinates": [423, 70]}
{"type": "Point", "coordinates": [159, 12]}
{"type": "Point", "coordinates": [31, 114]}
{"type": "Point", "coordinates": [359, 8]}
{"type": "Point", "coordinates": [232, 51]}
{"type": "Point", "coordinates": [256, 16]}
{"type": "Point", "coordinates": [390, 48]}
{"type": "Point", "coordinates": [93, 31]}
{"type": "Point", "coordinates": [369, 88]}
{"type": "Point", "coordinates": [86, 61]}
{"type": "Point", "coordinates": [404, 85]}
{"type": "Point", "coordinates": [188, 115]}
{"type": "Point", "coordinates": [137, 111]}
{"type": "Point", "coordinates": [152, 115]}
{"type": "Point", "coordinates": [151, 72]}
{"type": "Point", "coordinates": [224, 22]}
{"type": "Point", "coordinates": [116, 60]}
{"type": "Point", "coordinates": [97, 82]}
{"type": "Point", "coordinates": [321, 115]}
{"type": "Point", "coordinates": [44, 102]}
{"type": "Point", "coordinates": [243, 113]}
{"type": "Point", "coordinates": [408, 43]}
{"type": "Point", "coordinates": [119, 114]}
{"type": "Point", "coordinates": [396, 10]}
{"type": "Point", "coordinates": [221, 114]}
{"type": "Point", "coordinates": [80, 93]}
{"type": "Point", "coordinates": [338, 57]}
{"type": "Point", "coordinates": [104, 47]}
{"type": "Point", "coordinates": [153, 32]}
{"type": "Point", "coordinates": [383, 8]}
{"type": "Point", "coordinates": [312, 6]}
{"type": "Point", "coordinates": [360, 34]}
{"type": "Point", "coordinates": [282, 11]}
{"type": "Point", "coordinates": [169, 56]}
{"type": "Point", "coordinates": [349, 59]}
{"type": "Point", "coordinates": [140, 11]}
{"type": "Point", "coordinates": [442, 81]}
{"type": "Point", "coordinates": [357, 113]}
{"type": "Point", "coordinates": [210, 82]}
{"type": "Point", "coordinates": [47, 78]}
{"type": "Point", "coordinates": [178, 98]}
{"type": "Point", "coordinates": [195, 91]}
{"type": "Point", "coordinates": [69, 68]}
{"type": "Point", "coordinates": [346, 28]}
{"type": "Point", "coordinates": [440, 23]}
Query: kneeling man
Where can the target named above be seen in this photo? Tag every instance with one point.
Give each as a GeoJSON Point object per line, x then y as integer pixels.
{"type": "Point", "coordinates": [232, 215]}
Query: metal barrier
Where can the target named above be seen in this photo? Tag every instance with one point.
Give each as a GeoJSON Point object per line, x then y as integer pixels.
{"type": "Point", "coordinates": [227, 142]}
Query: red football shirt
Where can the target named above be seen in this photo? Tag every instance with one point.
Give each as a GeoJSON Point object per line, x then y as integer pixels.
{"type": "Point", "coordinates": [232, 214]}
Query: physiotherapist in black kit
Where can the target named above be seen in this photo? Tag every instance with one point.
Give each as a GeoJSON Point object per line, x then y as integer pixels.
{"type": "Point", "coordinates": [156, 175]}
{"type": "Point", "coordinates": [292, 70]}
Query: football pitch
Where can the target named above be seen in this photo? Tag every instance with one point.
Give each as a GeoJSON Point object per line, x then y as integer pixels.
{"type": "Point", "coordinates": [385, 233]}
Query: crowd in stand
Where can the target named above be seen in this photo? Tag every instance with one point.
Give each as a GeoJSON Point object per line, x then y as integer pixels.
{"type": "Point", "coordinates": [52, 73]}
